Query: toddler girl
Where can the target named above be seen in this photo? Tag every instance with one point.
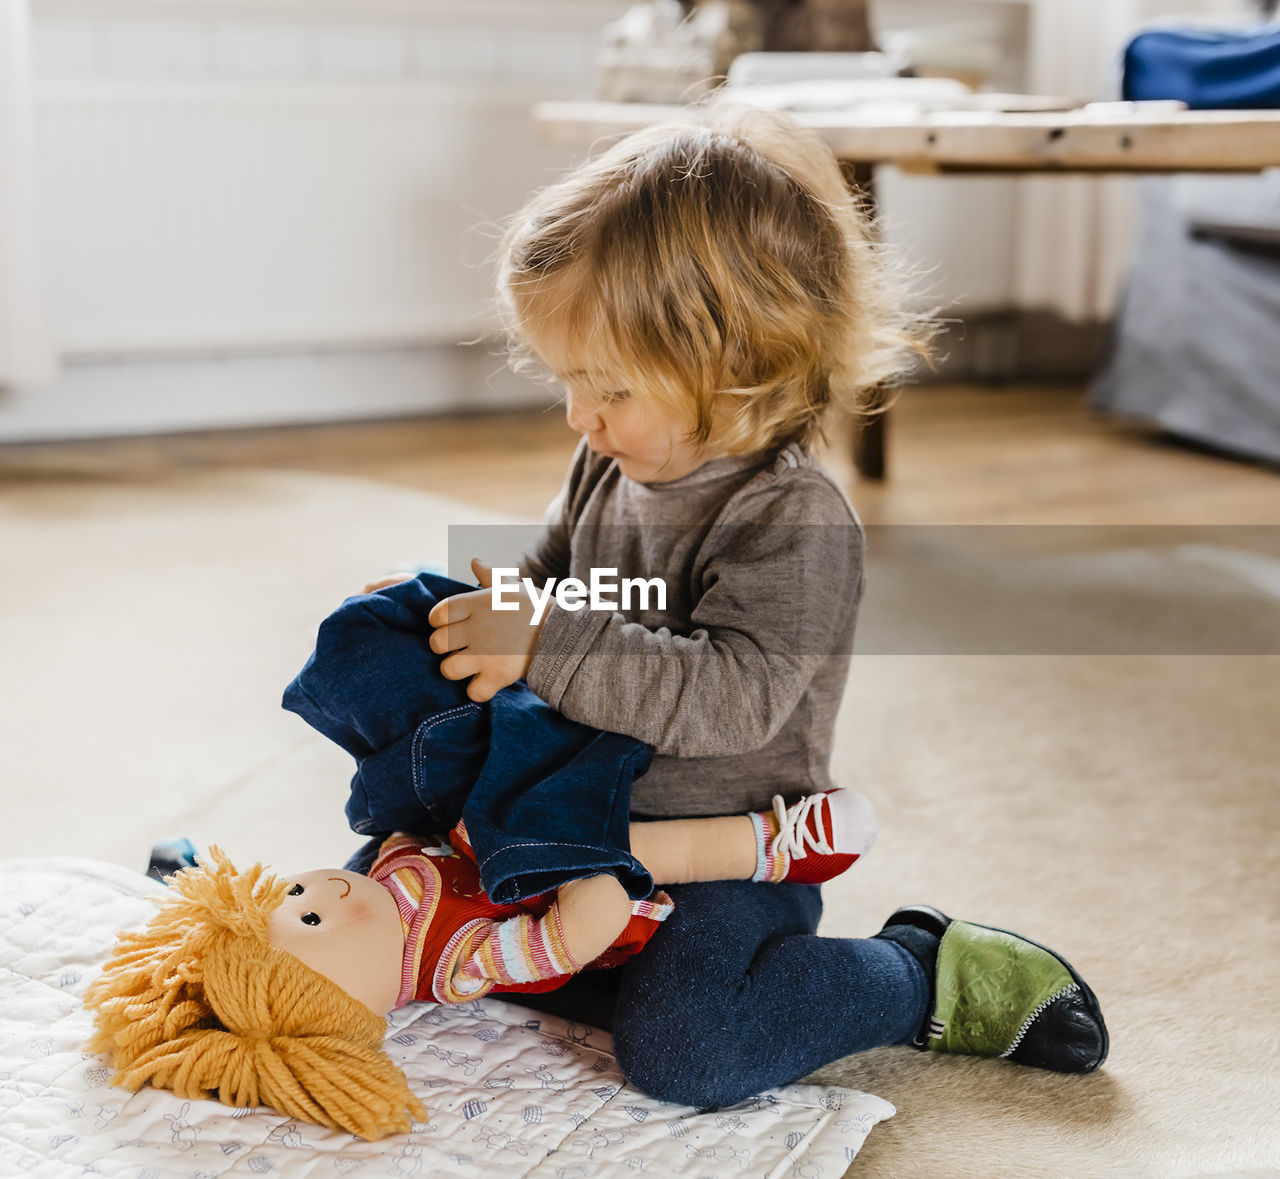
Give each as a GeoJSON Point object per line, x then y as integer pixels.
{"type": "Point", "coordinates": [708, 295]}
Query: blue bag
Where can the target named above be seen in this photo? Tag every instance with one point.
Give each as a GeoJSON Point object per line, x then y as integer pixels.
{"type": "Point", "coordinates": [1208, 69]}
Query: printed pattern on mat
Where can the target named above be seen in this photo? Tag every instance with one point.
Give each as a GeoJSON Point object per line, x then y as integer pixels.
{"type": "Point", "coordinates": [510, 1091]}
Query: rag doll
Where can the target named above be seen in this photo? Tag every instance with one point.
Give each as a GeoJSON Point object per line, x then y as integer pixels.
{"type": "Point", "coordinates": [256, 989]}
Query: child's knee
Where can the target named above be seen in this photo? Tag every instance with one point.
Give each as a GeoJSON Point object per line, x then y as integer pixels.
{"type": "Point", "coordinates": [670, 1060]}
{"type": "Point", "coordinates": [677, 1072]}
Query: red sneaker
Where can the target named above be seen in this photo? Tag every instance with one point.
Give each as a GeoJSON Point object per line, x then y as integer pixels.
{"type": "Point", "coordinates": [814, 839]}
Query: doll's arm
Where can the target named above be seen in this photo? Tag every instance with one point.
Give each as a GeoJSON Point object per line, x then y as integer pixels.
{"type": "Point", "coordinates": [585, 920]}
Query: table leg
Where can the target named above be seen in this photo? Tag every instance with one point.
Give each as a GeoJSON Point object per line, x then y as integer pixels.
{"type": "Point", "coordinates": [869, 434]}
{"type": "Point", "coordinates": [869, 445]}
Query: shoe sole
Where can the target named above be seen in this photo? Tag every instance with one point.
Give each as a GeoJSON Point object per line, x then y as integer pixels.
{"type": "Point", "coordinates": [934, 921]}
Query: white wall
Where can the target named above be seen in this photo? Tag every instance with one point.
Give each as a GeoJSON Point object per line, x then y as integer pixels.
{"type": "Point", "coordinates": [1074, 235]}
{"type": "Point", "coordinates": [26, 348]}
{"type": "Point", "coordinates": [1059, 244]}
{"type": "Point", "coordinates": [282, 210]}
{"type": "Point", "coordinates": [266, 210]}
{"type": "Point", "coordinates": [283, 179]}
{"type": "Point", "coordinates": [956, 230]}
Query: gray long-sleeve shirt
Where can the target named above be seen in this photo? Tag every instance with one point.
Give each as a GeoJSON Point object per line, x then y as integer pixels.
{"type": "Point", "coordinates": [736, 683]}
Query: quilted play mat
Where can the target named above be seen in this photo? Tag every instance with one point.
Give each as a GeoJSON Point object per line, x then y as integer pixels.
{"type": "Point", "coordinates": [510, 1091]}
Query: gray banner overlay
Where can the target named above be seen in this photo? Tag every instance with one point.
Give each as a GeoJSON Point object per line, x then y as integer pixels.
{"type": "Point", "coordinates": [1008, 589]}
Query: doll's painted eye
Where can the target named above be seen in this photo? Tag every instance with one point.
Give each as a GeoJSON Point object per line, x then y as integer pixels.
{"type": "Point", "coordinates": [310, 918]}
{"type": "Point", "coordinates": [295, 891]}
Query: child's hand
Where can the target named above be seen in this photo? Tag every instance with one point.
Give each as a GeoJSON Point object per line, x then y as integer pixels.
{"type": "Point", "coordinates": [493, 647]}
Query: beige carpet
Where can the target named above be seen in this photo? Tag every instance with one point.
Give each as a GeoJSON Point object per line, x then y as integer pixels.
{"type": "Point", "coordinates": [1120, 807]}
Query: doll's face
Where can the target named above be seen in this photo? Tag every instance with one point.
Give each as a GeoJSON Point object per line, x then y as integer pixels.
{"type": "Point", "coordinates": [346, 927]}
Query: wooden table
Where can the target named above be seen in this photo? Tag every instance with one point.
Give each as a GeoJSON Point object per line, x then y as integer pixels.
{"type": "Point", "coordinates": [1103, 137]}
{"type": "Point", "coordinates": [1100, 138]}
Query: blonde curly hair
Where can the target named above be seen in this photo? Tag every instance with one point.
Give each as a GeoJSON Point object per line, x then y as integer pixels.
{"type": "Point", "coordinates": [200, 1002]}
{"type": "Point", "coordinates": [719, 265]}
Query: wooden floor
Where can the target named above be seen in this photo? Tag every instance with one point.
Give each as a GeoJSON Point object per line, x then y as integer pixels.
{"type": "Point", "coordinates": [956, 455]}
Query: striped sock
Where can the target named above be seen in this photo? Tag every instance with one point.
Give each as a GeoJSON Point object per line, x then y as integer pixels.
{"type": "Point", "coordinates": [771, 866]}
{"type": "Point", "coordinates": [522, 949]}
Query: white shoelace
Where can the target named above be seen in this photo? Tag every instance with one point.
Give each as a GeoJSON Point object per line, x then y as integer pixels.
{"type": "Point", "coordinates": [793, 839]}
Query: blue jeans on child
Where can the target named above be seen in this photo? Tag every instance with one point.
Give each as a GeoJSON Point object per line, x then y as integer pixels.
{"type": "Point", "coordinates": [735, 995]}
{"type": "Point", "coordinates": [545, 799]}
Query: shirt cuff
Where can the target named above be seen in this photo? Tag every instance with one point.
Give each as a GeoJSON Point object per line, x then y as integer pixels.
{"type": "Point", "coordinates": [565, 637]}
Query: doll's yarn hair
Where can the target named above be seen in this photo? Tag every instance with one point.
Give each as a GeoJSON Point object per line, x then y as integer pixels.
{"type": "Point", "coordinates": [200, 1002]}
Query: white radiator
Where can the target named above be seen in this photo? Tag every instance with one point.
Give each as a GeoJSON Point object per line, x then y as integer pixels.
{"type": "Point", "coordinates": [208, 217]}
{"type": "Point", "coordinates": [275, 211]}
{"type": "Point", "coordinates": [276, 176]}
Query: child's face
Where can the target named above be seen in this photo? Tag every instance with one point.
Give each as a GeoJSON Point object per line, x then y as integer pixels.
{"type": "Point", "coordinates": [346, 927]}
{"type": "Point", "coordinates": [648, 442]}
{"type": "Point", "coordinates": [637, 434]}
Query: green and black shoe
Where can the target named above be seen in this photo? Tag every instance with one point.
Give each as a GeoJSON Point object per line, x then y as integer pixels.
{"type": "Point", "coordinates": [996, 993]}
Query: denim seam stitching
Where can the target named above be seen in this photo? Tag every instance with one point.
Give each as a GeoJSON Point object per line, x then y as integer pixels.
{"type": "Point", "coordinates": [628, 760]}
{"type": "Point", "coordinates": [626, 764]}
{"type": "Point", "coordinates": [506, 847]}
{"type": "Point", "coordinates": [424, 730]}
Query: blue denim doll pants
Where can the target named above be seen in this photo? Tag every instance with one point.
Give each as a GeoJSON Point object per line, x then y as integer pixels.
{"type": "Point", "coordinates": [735, 994]}
{"type": "Point", "coordinates": [546, 800]}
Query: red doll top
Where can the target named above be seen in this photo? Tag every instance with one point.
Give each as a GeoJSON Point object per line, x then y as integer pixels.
{"type": "Point", "coordinates": [460, 945]}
